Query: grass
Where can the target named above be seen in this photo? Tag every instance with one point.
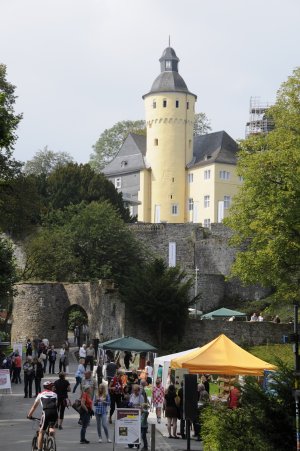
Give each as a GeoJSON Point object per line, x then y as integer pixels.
{"type": "Point", "coordinates": [271, 353]}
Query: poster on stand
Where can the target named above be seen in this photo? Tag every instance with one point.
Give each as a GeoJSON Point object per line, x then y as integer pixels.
{"type": "Point", "coordinates": [128, 426]}
{"type": "Point", "coordinates": [5, 380]}
{"type": "Point", "coordinates": [18, 347]}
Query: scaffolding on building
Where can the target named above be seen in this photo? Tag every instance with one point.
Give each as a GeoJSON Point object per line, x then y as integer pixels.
{"type": "Point", "coordinates": [259, 122]}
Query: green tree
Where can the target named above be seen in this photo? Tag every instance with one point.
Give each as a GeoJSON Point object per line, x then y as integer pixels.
{"type": "Point", "coordinates": [9, 122]}
{"type": "Point", "coordinates": [265, 215]}
{"type": "Point", "coordinates": [73, 183]}
{"type": "Point", "coordinates": [202, 124]}
{"type": "Point", "coordinates": [111, 140]}
{"type": "Point", "coordinates": [8, 275]}
{"type": "Point", "coordinates": [160, 297]}
{"type": "Point", "coordinates": [81, 243]}
{"type": "Point", "coordinates": [20, 205]}
{"type": "Point", "coordinates": [46, 161]}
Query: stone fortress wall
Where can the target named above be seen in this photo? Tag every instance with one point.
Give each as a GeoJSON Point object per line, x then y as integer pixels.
{"type": "Point", "coordinates": [41, 309]}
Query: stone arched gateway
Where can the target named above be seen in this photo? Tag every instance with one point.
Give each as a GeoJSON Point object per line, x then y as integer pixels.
{"type": "Point", "coordinates": [40, 310]}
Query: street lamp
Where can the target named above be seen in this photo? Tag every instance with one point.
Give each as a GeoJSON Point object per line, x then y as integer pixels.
{"type": "Point", "coordinates": [196, 289]}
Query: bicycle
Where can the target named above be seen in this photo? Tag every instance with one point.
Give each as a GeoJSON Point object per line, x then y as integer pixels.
{"type": "Point", "coordinates": [49, 443]}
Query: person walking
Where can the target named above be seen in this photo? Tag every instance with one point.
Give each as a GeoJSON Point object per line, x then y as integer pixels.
{"type": "Point", "coordinates": [171, 410]}
{"type": "Point", "coordinates": [52, 359]}
{"type": "Point", "coordinates": [90, 357]}
{"type": "Point", "coordinates": [158, 395]}
{"type": "Point", "coordinates": [28, 376]}
{"type": "Point", "coordinates": [101, 403]}
{"type": "Point", "coordinates": [38, 374]}
{"type": "Point", "coordinates": [79, 374]}
{"type": "Point", "coordinates": [115, 391]}
{"type": "Point", "coordinates": [17, 368]}
{"type": "Point", "coordinates": [85, 413]}
{"type": "Point", "coordinates": [28, 347]}
{"type": "Point", "coordinates": [144, 425]}
{"type": "Point", "coordinates": [62, 359]}
{"type": "Point", "coordinates": [62, 387]}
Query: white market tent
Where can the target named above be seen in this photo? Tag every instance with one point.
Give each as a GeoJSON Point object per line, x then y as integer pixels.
{"type": "Point", "coordinates": [165, 361]}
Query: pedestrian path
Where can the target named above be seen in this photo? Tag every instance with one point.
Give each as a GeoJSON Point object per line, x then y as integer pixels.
{"type": "Point", "coordinates": [16, 431]}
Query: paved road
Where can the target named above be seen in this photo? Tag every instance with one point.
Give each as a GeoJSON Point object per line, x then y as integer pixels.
{"type": "Point", "coordinates": [16, 431]}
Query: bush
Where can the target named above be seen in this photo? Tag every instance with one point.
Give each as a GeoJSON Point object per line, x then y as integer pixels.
{"type": "Point", "coordinates": [264, 422]}
{"type": "Point", "coordinates": [224, 429]}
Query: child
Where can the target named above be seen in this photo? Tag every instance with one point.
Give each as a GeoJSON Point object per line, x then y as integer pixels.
{"type": "Point", "coordinates": [144, 425]}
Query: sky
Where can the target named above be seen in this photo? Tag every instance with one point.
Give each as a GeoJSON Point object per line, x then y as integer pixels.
{"type": "Point", "coordinates": [80, 66]}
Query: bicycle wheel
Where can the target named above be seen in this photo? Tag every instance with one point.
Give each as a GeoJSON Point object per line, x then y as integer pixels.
{"type": "Point", "coordinates": [51, 445]}
{"type": "Point", "coordinates": [34, 444]}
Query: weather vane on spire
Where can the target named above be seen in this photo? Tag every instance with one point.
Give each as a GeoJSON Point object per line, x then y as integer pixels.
{"type": "Point", "coordinates": [169, 41]}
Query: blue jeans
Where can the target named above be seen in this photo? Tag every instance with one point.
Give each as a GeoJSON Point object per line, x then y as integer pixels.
{"type": "Point", "coordinates": [101, 419]}
{"type": "Point", "coordinates": [85, 420]}
{"type": "Point", "coordinates": [78, 382]}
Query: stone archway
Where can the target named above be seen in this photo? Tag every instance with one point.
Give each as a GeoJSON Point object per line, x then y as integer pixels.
{"type": "Point", "coordinates": [40, 310]}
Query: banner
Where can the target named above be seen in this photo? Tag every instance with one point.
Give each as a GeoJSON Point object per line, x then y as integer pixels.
{"type": "Point", "coordinates": [128, 426]}
{"type": "Point", "coordinates": [5, 380]}
{"type": "Point", "coordinates": [18, 347]}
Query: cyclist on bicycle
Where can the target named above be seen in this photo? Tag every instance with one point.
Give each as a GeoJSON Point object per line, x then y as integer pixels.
{"type": "Point", "coordinates": [48, 400]}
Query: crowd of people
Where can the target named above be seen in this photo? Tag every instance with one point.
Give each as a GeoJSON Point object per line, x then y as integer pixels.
{"type": "Point", "coordinates": [102, 385]}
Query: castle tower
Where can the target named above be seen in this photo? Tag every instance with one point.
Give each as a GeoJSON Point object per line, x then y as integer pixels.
{"type": "Point", "coordinates": [170, 109]}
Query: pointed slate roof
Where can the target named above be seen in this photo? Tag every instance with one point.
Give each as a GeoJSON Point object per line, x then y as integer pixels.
{"type": "Point", "coordinates": [169, 80]}
{"type": "Point", "coordinates": [130, 157]}
{"type": "Point", "coordinates": [216, 147]}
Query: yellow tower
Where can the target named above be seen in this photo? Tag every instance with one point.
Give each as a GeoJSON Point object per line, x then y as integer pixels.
{"type": "Point", "coordinates": [170, 110]}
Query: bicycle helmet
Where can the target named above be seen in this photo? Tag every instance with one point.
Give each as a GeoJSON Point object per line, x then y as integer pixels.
{"type": "Point", "coordinates": [48, 384]}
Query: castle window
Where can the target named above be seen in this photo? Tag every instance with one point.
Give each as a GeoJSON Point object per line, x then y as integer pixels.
{"type": "Point", "coordinates": [177, 103]}
{"type": "Point", "coordinates": [227, 201]}
{"type": "Point", "coordinates": [224, 175]}
{"type": "Point", "coordinates": [206, 201]}
{"type": "Point", "coordinates": [187, 105]}
{"type": "Point", "coordinates": [118, 183]}
{"type": "Point", "coordinates": [174, 209]}
{"type": "Point", "coordinates": [207, 223]}
{"type": "Point", "coordinates": [207, 174]}
{"type": "Point", "coordinates": [156, 142]}
{"type": "Point", "coordinates": [190, 178]}
{"type": "Point", "coordinates": [168, 65]}
{"type": "Point", "coordinates": [164, 103]}
{"type": "Point", "coordinates": [123, 163]}
{"type": "Point", "coordinates": [191, 204]}
{"type": "Point", "coordinates": [154, 104]}
{"type": "Point", "coordinates": [173, 179]}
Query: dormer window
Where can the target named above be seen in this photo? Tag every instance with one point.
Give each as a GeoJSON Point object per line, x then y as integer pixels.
{"type": "Point", "coordinates": [168, 65]}
{"type": "Point", "coordinates": [123, 163]}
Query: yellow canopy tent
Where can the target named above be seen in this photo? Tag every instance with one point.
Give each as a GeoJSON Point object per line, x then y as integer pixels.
{"type": "Point", "coordinates": [222, 356]}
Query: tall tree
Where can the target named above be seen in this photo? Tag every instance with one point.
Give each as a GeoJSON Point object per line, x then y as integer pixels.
{"type": "Point", "coordinates": [75, 183]}
{"type": "Point", "coordinates": [202, 124]}
{"type": "Point", "coordinates": [111, 140]}
{"type": "Point", "coordinates": [82, 242]}
{"type": "Point", "coordinates": [265, 215]}
{"type": "Point", "coordinates": [9, 122]}
{"type": "Point", "coordinates": [160, 296]}
{"type": "Point", "coordinates": [46, 161]}
{"type": "Point", "coordinates": [20, 205]}
{"type": "Point", "coordinates": [8, 274]}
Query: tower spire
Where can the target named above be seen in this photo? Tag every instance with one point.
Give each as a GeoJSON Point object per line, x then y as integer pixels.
{"type": "Point", "coordinates": [169, 41]}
